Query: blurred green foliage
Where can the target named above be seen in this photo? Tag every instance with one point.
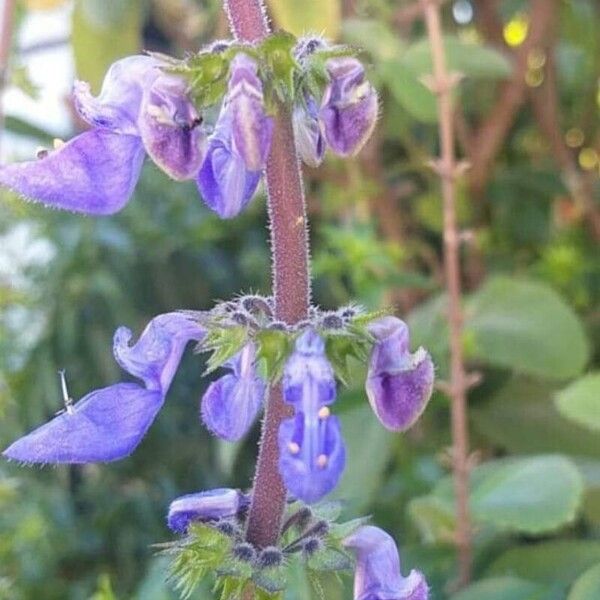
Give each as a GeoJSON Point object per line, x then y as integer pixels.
{"type": "Point", "coordinates": [531, 314]}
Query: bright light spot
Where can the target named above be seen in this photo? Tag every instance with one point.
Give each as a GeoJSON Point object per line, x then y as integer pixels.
{"type": "Point", "coordinates": [516, 30]}
{"type": "Point", "coordinates": [574, 137]}
{"type": "Point", "coordinates": [534, 77]}
{"type": "Point", "coordinates": [462, 11]}
{"type": "Point", "coordinates": [588, 159]}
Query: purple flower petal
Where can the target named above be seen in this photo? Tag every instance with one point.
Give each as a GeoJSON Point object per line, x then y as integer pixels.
{"type": "Point", "coordinates": [308, 379]}
{"type": "Point", "coordinates": [154, 358]}
{"type": "Point", "coordinates": [312, 455]}
{"type": "Point", "coordinates": [224, 182]}
{"type": "Point", "coordinates": [211, 505]}
{"type": "Point", "coordinates": [94, 173]}
{"type": "Point", "coordinates": [231, 403]}
{"type": "Point", "coordinates": [310, 142]}
{"type": "Point", "coordinates": [349, 107]}
{"type": "Point", "coordinates": [251, 127]}
{"type": "Point", "coordinates": [377, 575]}
{"type": "Point", "coordinates": [118, 106]}
{"type": "Point", "coordinates": [170, 128]}
{"type": "Point", "coordinates": [399, 384]}
{"type": "Point", "coordinates": [106, 425]}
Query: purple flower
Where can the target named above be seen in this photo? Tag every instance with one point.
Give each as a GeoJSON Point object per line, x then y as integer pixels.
{"type": "Point", "coordinates": [377, 575]}
{"type": "Point", "coordinates": [140, 109]}
{"type": "Point", "coordinates": [312, 452]}
{"type": "Point", "coordinates": [211, 505]}
{"type": "Point", "coordinates": [231, 403]}
{"type": "Point", "coordinates": [399, 384]}
{"type": "Point", "coordinates": [349, 107]}
{"type": "Point", "coordinates": [239, 145]}
{"type": "Point", "coordinates": [108, 424]}
{"type": "Point", "coordinates": [310, 142]}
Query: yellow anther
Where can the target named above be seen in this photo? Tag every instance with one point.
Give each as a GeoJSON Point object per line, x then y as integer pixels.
{"type": "Point", "coordinates": [58, 143]}
{"type": "Point", "coordinates": [324, 412]}
{"type": "Point", "coordinates": [322, 461]}
{"type": "Point", "coordinates": [293, 448]}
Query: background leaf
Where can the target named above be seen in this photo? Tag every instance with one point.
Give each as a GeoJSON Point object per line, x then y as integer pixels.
{"type": "Point", "coordinates": [502, 588]}
{"type": "Point", "coordinates": [580, 401]}
{"type": "Point", "coordinates": [527, 327]}
{"type": "Point", "coordinates": [587, 587]}
{"type": "Point", "coordinates": [322, 17]}
{"type": "Point", "coordinates": [102, 33]}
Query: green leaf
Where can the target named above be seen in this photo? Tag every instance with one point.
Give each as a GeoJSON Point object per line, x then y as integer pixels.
{"type": "Point", "coordinates": [472, 60]}
{"type": "Point", "coordinates": [522, 418]}
{"type": "Point", "coordinates": [278, 54]}
{"type": "Point", "coordinates": [408, 91]}
{"type": "Point", "coordinates": [587, 587]}
{"type": "Point", "coordinates": [273, 348]}
{"type": "Point", "coordinates": [502, 588]}
{"type": "Point", "coordinates": [271, 580]}
{"type": "Point", "coordinates": [532, 495]}
{"type": "Point", "coordinates": [555, 562]}
{"type": "Point", "coordinates": [580, 401]}
{"type": "Point", "coordinates": [364, 470]}
{"type": "Point", "coordinates": [102, 33]}
{"type": "Point", "coordinates": [433, 517]}
{"type": "Point", "coordinates": [225, 344]}
{"type": "Point", "coordinates": [329, 559]}
{"type": "Point", "coordinates": [373, 36]}
{"type": "Point", "coordinates": [311, 16]}
{"type": "Point", "coordinates": [339, 531]}
{"type": "Point", "coordinates": [527, 327]}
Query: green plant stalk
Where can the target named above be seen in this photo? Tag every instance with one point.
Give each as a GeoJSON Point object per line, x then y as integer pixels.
{"type": "Point", "coordinates": [291, 280]}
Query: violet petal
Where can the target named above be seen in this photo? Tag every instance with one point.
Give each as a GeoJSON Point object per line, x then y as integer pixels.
{"type": "Point", "coordinates": [170, 128]}
{"type": "Point", "coordinates": [154, 358]}
{"type": "Point", "coordinates": [377, 575]}
{"type": "Point", "coordinates": [251, 128]}
{"type": "Point", "coordinates": [224, 182]}
{"type": "Point", "coordinates": [117, 107]}
{"type": "Point", "coordinates": [105, 425]}
{"type": "Point", "coordinates": [349, 106]}
{"type": "Point", "coordinates": [211, 505]}
{"type": "Point", "coordinates": [312, 455]}
{"type": "Point", "coordinates": [94, 173]}
{"type": "Point", "coordinates": [399, 384]}
{"type": "Point", "coordinates": [310, 142]}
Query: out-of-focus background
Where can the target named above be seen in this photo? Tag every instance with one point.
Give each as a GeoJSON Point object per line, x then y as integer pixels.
{"type": "Point", "coordinates": [527, 120]}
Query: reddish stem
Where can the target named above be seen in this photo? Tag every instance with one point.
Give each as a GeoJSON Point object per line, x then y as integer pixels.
{"type": "Point", "coordinates": [291, 281]}
{"type": "Point", "coordinates": [6, 28]}
{"type": "Point", "coordinates": [447, 170]}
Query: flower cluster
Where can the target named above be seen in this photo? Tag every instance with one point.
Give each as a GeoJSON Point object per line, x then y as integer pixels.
{"type": "Point", "coordinates": [108, 424]}
{"type": "Point", "coordinates": [319, 541]}
{"type": "Point", "coordinates": [146, 109]}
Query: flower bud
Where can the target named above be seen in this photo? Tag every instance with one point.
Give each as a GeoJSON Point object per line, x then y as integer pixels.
{"type": "Point", "coordinates": [349, 107]}
{"type": "Point", "coordinates": [310, 142]}
{"type": "Point", "coordinates": [211, 505]}
{"type": "Point", "coordinates": [399, 384]}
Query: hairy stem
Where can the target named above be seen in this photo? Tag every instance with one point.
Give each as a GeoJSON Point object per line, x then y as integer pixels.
{"type": "Point", "coordinates": [291, 282]}
{"type": "Point", "coordinates": [447, 169]}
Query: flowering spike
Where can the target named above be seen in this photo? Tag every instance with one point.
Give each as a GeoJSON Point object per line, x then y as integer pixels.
{"type": "Point", "coordinates": [94, 173]}
{"type": "Point", "coordinates": [154, 358]}
{"type": "Point", "coordinates": [399, 384]}
{"type": "Point", "coordinates": [349, 107]}
{"type": "Point", "coordinates": [252, 129]}
{"type": "Point", "coordinates": [310, 142]}
{"type": "Point", "coordinates": [211, 505]}
{"type": "Point", "coordinates": [377, 575]}
{"type": "Point", "coordinates": [231, 403]}
{"type": "Point", "coordinates": [312, 453]}
{"type": "Point", "coordinates": [106, 425]}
